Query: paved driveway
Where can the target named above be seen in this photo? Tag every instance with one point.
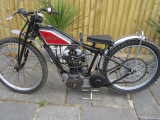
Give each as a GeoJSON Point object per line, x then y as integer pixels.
{"type": "Point", "coordinates": [55, 102]}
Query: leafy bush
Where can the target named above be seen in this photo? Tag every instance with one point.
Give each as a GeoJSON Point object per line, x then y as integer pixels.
{"type": "Point", "coordinates": [155, 24]}
{"type": "Point", "coordinates": [68, 16]}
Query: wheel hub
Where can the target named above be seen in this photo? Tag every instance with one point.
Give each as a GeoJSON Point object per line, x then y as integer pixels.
{"type": "Point", "coordinates": [139, 70]}
{"type": "Point", "coordinates": [19, 67]}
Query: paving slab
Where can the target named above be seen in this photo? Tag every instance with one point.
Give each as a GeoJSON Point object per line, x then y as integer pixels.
{"type": "Point", "coordinates": [17, 111]}
{"type": "Point", "coordinates": [75, 97]}
{"type": "Point", "coordinates": [100, 113]}
{"type": "Point", "coordinates": [156, 92]}
{"type": "Point", "coordinates": [158, 81]}
{"type": "Point", "coordinates": [5, 93]}
{"type": "Point", "coordinates": [53, 112]}
{"type": "Point", "coordinates": [110, 99]}
{"type": "Point", "coordinates": [54, 91]}
{"type": "Point", "coordinates": [146, 106]}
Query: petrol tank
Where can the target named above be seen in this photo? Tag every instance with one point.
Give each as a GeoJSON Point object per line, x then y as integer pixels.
{"type": "Point", "coordinates": [52, 37]}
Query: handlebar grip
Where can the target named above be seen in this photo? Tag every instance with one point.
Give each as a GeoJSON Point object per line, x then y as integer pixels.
{"type": "Point", "coordinates": [9, 18]}
{"type": "Point", "coordinates": [56, 12]}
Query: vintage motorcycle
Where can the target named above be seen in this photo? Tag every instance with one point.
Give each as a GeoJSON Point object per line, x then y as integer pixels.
{"type": "Point", "coordinates": [129, 65]}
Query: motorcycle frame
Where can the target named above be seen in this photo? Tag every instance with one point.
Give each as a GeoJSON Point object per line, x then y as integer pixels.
{"type": "Point", "coordinates": [34, 27]}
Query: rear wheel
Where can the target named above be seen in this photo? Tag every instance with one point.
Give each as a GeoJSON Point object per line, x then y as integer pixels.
{"type": "Point", "coordinates": [25, 79]}
{"type": "Point", "coordinates": [146, 66]}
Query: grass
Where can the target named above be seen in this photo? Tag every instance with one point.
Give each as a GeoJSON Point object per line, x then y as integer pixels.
{"type": "Point", "coordinates": [43, 103]}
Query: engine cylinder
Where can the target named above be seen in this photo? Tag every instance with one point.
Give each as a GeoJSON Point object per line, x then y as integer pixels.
{"type": "Point", "coordinates": [73, 56]}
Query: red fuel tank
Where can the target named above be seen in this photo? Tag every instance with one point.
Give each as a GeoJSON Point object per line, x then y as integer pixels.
{"type": "Point", "coordinates": [54, 37]}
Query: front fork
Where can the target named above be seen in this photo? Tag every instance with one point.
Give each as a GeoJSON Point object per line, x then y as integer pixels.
{"type": "Point", "coordinates": [23, 51]}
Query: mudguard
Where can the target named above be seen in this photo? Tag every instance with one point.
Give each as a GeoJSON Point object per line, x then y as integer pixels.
{"type": "Point", "coordinates": [17, 32]}
{"type": "Point", "coordinates": [121, 40]}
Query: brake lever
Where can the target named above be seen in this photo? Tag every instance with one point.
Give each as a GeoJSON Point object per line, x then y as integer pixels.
{"type": "Point", "coordinates": [49, 5]}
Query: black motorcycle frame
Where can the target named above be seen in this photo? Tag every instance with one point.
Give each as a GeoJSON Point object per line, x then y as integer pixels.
{"type": "Point", "coordinates": [34, 25]}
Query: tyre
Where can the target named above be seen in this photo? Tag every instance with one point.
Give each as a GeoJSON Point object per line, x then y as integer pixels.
{"type": "Point", "coordinates": [27, 79]}
{"type": "Point", "coordinates": [144, 60]}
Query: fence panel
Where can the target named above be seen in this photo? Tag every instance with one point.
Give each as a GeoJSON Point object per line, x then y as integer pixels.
{"type": "Point", "coordinates": [115, 17]}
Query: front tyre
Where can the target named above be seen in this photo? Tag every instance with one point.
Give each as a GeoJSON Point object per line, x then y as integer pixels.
{"type": "Point", "coordinates": [31, 76]}
{"type": "Point", "coordinates": [146, 66]}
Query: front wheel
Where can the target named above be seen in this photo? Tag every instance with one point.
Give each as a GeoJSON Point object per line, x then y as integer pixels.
{"type": "Point", "coordinates": [33, 72]}
{"type": "Point", "coordinates": [144, 60]}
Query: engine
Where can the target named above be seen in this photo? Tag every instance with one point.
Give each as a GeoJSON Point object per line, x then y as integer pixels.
{"type": "Point", "coordinates": [75, 60]}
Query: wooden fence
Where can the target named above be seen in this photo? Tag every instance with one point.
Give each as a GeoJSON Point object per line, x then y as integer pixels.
{"type": "Point", "coordinates": [115, 17]}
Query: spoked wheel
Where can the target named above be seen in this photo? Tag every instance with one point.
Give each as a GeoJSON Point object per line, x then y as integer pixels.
{"type": "Point", "coordinates": [144, 62]}
{"type": "Point", "coordinates": [28, 77]}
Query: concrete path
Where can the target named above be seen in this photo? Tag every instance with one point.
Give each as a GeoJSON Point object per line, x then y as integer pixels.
{"type": "Point", "coordinates": [55, 102]}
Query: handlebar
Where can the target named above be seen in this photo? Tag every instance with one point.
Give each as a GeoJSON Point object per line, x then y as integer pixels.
{"type": "Point", "coordinates": [20, 10]}
{"type": "Point", "coordinates": [25, 13]}
{"type": "Point", "coordinates": [56, 12]}
{"type": "Point", "coordinates": [9, 18]}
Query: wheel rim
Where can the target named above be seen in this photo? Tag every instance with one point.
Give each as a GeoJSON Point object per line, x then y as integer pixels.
{"type": "Point", "coordinates": [145, 54]}
{"type": "Point", "coordinates": [28, 78]}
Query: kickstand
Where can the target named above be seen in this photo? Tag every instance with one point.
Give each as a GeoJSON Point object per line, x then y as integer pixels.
{"type": "Point", "coordinates": [91, 97]}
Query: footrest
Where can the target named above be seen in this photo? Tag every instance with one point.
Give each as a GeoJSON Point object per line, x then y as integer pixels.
{"type": "Point", "coordinates": [91, 95]}
{"type": "Point", "coordinates": [85, 90]}
{"type": "Point", "coordinates": [94, 99]}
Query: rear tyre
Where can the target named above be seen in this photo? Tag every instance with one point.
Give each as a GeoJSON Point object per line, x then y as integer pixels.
{"type": "Point", "coordinates": [147, 66]}
{"type": "Point", "coordinates": [28, 79]}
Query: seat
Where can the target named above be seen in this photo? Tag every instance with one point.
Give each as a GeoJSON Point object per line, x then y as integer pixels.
{"type": "Point", "coordinates": [101, 39]}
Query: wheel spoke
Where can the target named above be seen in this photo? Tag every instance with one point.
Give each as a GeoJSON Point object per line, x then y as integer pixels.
{"type": "Point", "coordinates": [151, 65]}
{"type": "Point", "coordinates": [129, 51]}
{"type": "Point", "coordinates": [140, 52]}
